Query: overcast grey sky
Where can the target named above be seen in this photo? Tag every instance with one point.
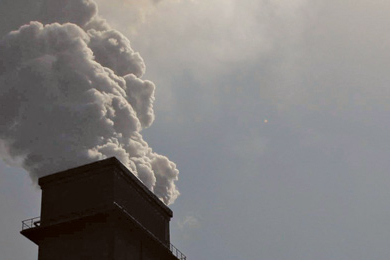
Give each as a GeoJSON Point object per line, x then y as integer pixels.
{"type": "Point", "coordinates": [276, 114]}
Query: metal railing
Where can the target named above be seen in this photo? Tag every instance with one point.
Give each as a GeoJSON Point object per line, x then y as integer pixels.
{"type": "Point", "coordinates": [36, 222]}
{"type": "Point", "coordinates": [31, 223]}
{"type": "Point", "coordinates": [176, 252]}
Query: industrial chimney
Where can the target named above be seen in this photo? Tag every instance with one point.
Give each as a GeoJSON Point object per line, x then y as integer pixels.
{"type": "Point", "coordinates": [100, 211]}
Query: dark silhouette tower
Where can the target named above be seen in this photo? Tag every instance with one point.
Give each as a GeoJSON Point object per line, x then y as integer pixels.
{"type": "Point", "coordinates": [100, 211]}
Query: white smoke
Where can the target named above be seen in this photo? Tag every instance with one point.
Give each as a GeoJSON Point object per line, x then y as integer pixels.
{"type": "Point", "coordinates": [71, 93]}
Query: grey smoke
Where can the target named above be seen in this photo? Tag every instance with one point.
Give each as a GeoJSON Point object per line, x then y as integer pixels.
{"type": "Point", "coordinates": [71, 92]}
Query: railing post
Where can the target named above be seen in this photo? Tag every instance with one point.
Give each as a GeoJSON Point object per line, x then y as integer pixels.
{"type": "Point", "coordinates": [31, 223]}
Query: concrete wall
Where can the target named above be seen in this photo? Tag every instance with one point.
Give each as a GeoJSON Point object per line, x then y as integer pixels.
{"type": "Point", "coordinates": [133, 244]}
{"type": "Point", "coordinates": [141, 207]}
{"type": "Point", "coordinates": [74, 197]}
{"type": "Point", "coordinates": [79, 241]}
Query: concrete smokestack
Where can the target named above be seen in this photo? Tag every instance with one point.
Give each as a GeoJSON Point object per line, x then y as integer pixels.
{"type": "Point", "coordinates": [100, 211]}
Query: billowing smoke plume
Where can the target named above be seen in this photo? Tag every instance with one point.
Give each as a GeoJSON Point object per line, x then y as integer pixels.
{"type": "Point", "coordinates": [71, 93]}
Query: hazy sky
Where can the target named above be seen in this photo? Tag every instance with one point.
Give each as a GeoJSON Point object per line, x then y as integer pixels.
{"type": "Point", "coordinates": [276, 114]}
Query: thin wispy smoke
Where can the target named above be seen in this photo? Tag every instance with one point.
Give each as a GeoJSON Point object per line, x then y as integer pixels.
{"type": "Point", "coordinates": [71, 92]}
{"type": "Point", "coordinates": [131, 14]}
